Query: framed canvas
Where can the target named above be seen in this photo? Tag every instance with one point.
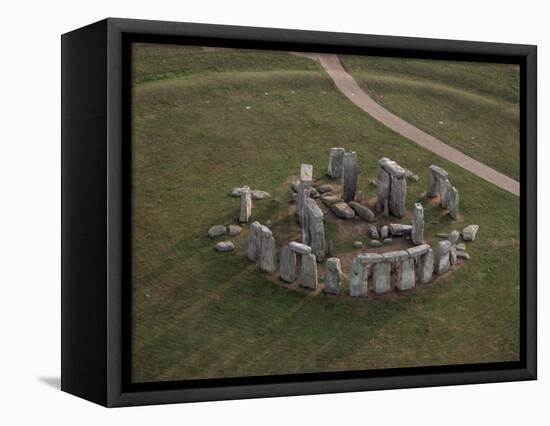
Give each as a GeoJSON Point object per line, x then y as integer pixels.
{"type": "Point", "coordinates": [255, 212]}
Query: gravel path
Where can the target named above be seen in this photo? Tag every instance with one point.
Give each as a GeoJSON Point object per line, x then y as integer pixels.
{"type": "Point", "coordinates": [349, 87]}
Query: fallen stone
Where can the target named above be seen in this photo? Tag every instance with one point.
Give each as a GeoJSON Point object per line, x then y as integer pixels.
{"type": "Point", "coordinates": [442, 235]}
{"type": "Point", "coordinates": [399, 230]}
{"type": "Point", "coordinates": [333, 276]}
{"type": "Point", "coordinates": [387, 241]}
{"type": "Point", "coordinates": [234, 230]}
{"type": "Point", "coordinates": [342, 210]}
{"type": "Point", "coordinates": [299, 248]}
{"type": "Point", "coordinates": [462, 255]}
{"type": "Point", "coordinates": [362, 211]}
{"type": "Point", "coordinates": [413, 178]}
{"type": "Point", "coordinates": [217, 231]}
{"type": "Point", "coordinates": [375, 243]}
{"type": "Point", "coordinates": [325, 188]}
{"type": "Point", "coordinates": [469, 233]}
{"type": "Point", "coordinates": [259, 195]}
{"type": "Point", "coordinates": [256, 194]}
{"type": "Point", "coordinates": [461, 246]}
{"type": "Point", "coordinates": [225, 246]}
{"type": "Point", "coordinates": [357, 244]}
{"type": "Point", "coordinates": [384, 232]}
{"type": "Point", "coordinates": [373, 233]}
{"type": "Point", "coordinates": [329, 200]}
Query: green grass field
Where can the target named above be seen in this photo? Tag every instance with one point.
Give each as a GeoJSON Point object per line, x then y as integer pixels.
{"type": "Point", "coordinates": [206, 121]}
{"type": "Point", "coordinates": [473, 107]}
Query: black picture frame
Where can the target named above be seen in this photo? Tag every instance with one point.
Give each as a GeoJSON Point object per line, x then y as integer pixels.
{"type": "Point", "coordinates": [96, 205]}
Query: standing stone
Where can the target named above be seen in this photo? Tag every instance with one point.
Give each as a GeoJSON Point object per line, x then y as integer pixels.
{"type": "Point", "coordinates": [349, 176]}
{"type": "Point", "coordinates": [313, 229]}
{"type": "Point", "coordinates": [268, 262]}
{"type": "Point", "coordinates": [358, 285]}
{"type": "Point", "coordinates": [333, 276]}
{"type": "Point", "coordinates": [381, 277]}
{"type": "Point", "coordinates": [246, 204]}
{"type": "Point", "coordinates": [442, 263]}
{"type": "Point", "coordinates": [426, 267]}
{"type": "Point", "coordinates": [444, 189]}
{"type": "Point", "coordinates": [342, 210]}
{"type": "Point", "coordinates": [303, 189]}
{"type": "Point", "coordinates": [254, 242]}
{"type": "Point", "coordinates": [431, 192]}
{"type": "Point", "coordinates": [288, 264]}
{"type": "Point", "coordinates": [417, 233]}
{"type": "Point", "coordinates": [384, 232]}
{"type": "Point", "coordinates": [398, 196]}
{"type": "Point", "coordinates": [309, 271]}
{"type": "Point", "coordinates": [405, 280]}
{"type": "Point", "coordinates": [454, 201]}
{"type": "Point", "coordinates": [382, 189]}
{"type": "Point", "coordinates": [335, 162]}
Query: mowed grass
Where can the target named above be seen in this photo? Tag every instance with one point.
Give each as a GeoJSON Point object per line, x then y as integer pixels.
{"type": "Point", "coordinates": [473, 107]}
{"type": "Point", "coordinates": [197, 313]}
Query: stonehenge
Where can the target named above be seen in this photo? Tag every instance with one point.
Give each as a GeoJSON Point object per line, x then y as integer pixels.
{"type": "Point", "coordinates": [417, 234]}
{"type": "Point", "coordinates": [391, 187]}
{"type": "Point", "coordinates": [377, 272]}
{"type": "Point", "coordinates": [333, 276]}
{"type": "Point", "coordinates": [335, 162]}
{"type": "Point", "coordinates": [349, 175]}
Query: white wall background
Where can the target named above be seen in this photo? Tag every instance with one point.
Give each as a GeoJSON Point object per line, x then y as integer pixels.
{"type": "Point", "coordinates": [30, 211]}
